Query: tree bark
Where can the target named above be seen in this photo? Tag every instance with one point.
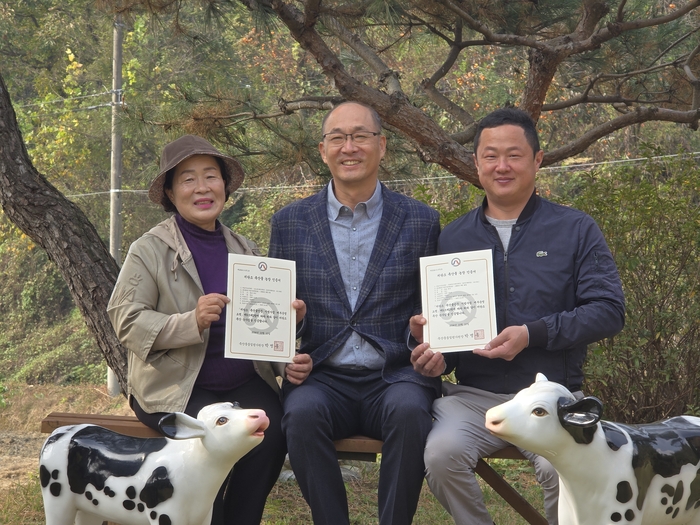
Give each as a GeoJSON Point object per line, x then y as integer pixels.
{"type": "Point", "coordinates": [63, 231]}
{"type": "Point", "coordinates": [433, 144]}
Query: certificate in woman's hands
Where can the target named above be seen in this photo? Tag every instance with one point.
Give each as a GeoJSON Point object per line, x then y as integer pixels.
{"type": "Point", "coordinates": [260, 319]}
{"type": "Point", "coordinates": [458, 300]}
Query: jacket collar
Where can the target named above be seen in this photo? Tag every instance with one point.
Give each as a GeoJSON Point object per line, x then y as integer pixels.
{"type": "Point", "coordinates": [532, 204]}
{"type": "Point", "coordinates": [393, 216]}
{"type": "Point", "coordinates": [372, 204]}
{"type": "Point", "coordinates": [169, 232]}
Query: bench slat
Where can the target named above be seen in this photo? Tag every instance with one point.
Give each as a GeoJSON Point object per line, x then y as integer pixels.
{"type": "Point", "coordinates": [128, 425]}
{"type": "Point", "coordinates": [355, 448]}
{"type": "Point", "coordinates": [361, 444]}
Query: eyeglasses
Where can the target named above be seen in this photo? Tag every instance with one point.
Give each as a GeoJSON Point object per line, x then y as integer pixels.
{"type": "Point", "coordinates": [359, 138]}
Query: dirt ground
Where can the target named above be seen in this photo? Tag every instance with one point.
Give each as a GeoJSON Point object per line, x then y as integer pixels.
{"type": "Point", "coordinates": [19, 457]}
{"type": "Point", "coordinates": [22, 407]}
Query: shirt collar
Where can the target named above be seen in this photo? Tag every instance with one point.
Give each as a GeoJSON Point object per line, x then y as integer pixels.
{"type": "Point", "coordinates": [373, 204]}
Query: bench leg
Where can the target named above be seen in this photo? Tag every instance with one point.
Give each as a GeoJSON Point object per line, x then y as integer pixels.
{"type": "Point", "coordinates": [509, 494]}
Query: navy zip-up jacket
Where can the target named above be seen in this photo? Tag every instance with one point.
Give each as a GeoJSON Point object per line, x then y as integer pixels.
{"type": "Point", "coordinates": [558, 278]}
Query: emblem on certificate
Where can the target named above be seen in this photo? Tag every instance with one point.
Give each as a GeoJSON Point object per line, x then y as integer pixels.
{"type": "Point", "coordinates": [260, 319]}
{"type": "Point", "coordinates": [458, 300]}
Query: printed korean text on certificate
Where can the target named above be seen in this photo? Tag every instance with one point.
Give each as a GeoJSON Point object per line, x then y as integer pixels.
{"type": "Point", "coordinates": [458, 300]}
{"type": "Point", "coordinates": [260, 319]}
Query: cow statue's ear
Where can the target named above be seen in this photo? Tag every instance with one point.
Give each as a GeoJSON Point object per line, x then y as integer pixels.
{"type": "Point", "coordinates": [580, 417]}
{"type": "Point", "coordinates": [178, 425]}
{"type": "Point", "coordinates": [584, 412]}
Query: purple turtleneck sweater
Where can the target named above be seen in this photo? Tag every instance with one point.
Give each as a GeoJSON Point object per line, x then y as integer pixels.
{"type": "Point", "coordinates": [211, 259]}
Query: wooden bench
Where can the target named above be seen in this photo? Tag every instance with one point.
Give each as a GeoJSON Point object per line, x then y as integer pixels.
{"type": "Point", "coordinates": [353, 448]}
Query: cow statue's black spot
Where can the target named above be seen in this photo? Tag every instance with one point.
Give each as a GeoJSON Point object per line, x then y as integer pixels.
{"type": "Point", "coordinates": [678, 493]}
{"type": "Point", "coordinates": [629, 515]}
{"type": "Point", "coordinates": [616, 516]}
{"type": "Point", "coordinates": [88, 495]}
{"type": "Point", "coordinates": [694, 496]}
{"type": "Point", "coordinates": [624, 492]}
{"type": "Point", "coordinates": [55, 489]}
{"type": "Point", "coordinates": [44, 476]}
{"type": "Point", "coordinates": [667, 489]}
{"type": "Point", "coordinates": [157, 489]}
{"type": "Point", "coordinates": [55, 437]}
{"type": "Point", "coordinates": [128, 504]}
{"type": "Point", "coordinates": [131, 492]}
{"type": "Point", "coordinates": [164, 519]}
{"type": "Point", "coordinates": [614, 437]}
{"type": "Point", "coordinates": [91, 460]}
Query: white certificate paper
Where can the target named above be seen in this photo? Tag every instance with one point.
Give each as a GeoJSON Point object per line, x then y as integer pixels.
{"type": "Point", "coordinates": [458, 300]}
{"type": "Point", "coordinates": [260, 319]}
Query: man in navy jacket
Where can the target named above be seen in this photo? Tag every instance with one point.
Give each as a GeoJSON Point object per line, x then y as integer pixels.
{"type": "Point", "coordinates": [557, 290]}
{"type": "Point", "coordinates": [357, 247]}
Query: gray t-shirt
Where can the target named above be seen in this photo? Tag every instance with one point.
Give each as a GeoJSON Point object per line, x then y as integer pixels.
{"type": "Point", "coordinates": [504, 229]}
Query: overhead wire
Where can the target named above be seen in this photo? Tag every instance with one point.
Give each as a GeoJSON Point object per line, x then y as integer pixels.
{"type": "Point", "coordinates": [439, 178]}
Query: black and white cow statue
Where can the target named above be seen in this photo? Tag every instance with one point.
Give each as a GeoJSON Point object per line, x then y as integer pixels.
{"type": "Point", "coordinates": [609, 473]}
{"type": "Point", "coordinates": [90, 474]}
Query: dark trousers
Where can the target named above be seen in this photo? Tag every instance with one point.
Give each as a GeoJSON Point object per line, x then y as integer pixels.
{"type": "Point", "coordinates": [333, 404]}
{"type": "Point", "coordinates": [242, 497]}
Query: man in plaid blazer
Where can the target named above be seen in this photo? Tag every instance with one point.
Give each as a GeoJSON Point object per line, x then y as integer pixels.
{"type": "Point", "coordinates": [357, 247]}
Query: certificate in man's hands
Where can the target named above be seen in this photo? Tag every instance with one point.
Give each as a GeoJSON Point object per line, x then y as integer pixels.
{"type": "Point", "coordinates": [260, 319]}
{"type": "Point", "coordinates": [458, 300]}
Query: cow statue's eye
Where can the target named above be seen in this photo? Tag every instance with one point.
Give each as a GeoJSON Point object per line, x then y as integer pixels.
{"type": "Point", "coordinates": [539, 412]}
{"type": "Point", "coordinates": [221, 421]}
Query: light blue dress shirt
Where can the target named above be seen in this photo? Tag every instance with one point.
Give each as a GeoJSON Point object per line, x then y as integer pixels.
{"type": "Point", "coordinates": [353, 234]}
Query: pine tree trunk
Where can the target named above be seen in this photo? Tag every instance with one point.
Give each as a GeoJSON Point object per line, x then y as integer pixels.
{"type": "Point", "coordinates": [63, 231]}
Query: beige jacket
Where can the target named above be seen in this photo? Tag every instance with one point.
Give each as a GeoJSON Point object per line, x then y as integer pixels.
{"type": "Point", "coordinates": [152, 309]}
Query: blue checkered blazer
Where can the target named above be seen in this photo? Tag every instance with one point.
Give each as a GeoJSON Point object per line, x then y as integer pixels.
{"type": "Point", "coordinates": [390, 292]}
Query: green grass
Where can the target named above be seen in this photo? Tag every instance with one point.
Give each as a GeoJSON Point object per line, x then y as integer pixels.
{"type": "Point", "coordinates": [22, 505]}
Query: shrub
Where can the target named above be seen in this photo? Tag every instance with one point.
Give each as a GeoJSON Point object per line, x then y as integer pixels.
{"type": "Point", "coordinates": [650, 216]}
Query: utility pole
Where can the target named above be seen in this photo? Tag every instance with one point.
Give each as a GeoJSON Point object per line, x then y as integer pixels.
{"type": "Point", "coordinates": [115, 202]}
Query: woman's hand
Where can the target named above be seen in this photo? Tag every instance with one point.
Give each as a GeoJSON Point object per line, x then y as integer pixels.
{"type": "Point", "coordinates": [209, 308]}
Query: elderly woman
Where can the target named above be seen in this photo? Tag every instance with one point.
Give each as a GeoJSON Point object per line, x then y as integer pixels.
{"type": "Point", "coordinates": [167, 308]}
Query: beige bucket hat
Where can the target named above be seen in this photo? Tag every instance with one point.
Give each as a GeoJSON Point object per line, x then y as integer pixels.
{"type": "Point", "coordinates": [183, 148]}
